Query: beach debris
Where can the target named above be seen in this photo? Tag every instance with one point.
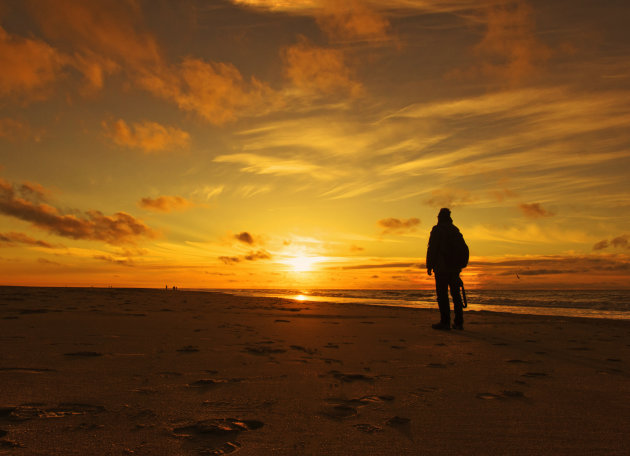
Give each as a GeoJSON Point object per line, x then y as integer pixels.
{"type": "Point", "coordinates": [217, 427]}
{"type": "Point", "coordinates": [398, 421]}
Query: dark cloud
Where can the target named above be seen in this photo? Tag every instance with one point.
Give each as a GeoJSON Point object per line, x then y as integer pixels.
{"type": "Point", "coordinates": [28, 202]}
{"type": "Point", "coordinates": [398, 226]}
{"type": "Point", "coordinates": [21, 238]}
{"type": "Point", "coordinates": [620, 242]}
{"type": "Point", "coordinates": [45, 261]}
{"type": "Point", "coordinates": [244, 237]}
{"type": "Point", "coordinates": [258, 255]}
{"type": "Point", "coordinates": [534, 210]}
{"type": "Point", "coordinates": [252, 256]}
{"type": "Point", "coordinates": [356, 248]}
{"type": "Point", "coordinates": [229, 260]}
{"type": "Point", "coordinates": [111, 259]}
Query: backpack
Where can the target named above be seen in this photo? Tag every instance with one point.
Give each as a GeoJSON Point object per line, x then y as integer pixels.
{"type": "Point", "coordinates": [455, 250]}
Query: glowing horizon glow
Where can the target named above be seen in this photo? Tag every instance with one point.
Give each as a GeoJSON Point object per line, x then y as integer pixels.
{"type": "Point", "coordinates": [302, 262]}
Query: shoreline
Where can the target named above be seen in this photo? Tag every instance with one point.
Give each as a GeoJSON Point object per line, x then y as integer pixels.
{"type": "Point", "coordinates": [557, 312]}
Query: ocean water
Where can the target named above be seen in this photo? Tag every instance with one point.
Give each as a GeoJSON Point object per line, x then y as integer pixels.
{"type": "Point", "coordinates": [613, 304]}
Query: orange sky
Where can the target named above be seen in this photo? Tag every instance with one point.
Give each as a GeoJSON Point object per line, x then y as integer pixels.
{"type": "Point", "coordinates": [311, 143]}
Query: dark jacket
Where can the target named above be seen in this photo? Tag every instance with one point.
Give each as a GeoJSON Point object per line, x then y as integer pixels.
{"type": "Point", "coordinates": [438, 246]}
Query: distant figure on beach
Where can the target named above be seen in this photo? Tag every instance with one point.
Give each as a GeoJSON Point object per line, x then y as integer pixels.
{"type": "Point", "coordinates": [447, 255]}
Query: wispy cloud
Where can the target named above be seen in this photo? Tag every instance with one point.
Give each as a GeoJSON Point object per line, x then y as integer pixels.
{"type": "Point", "coordinates": [165, 203]}
{"type": "Point", "coordinates": [259, 164]}
{"type": "Point", "coordinates": [208, 191]}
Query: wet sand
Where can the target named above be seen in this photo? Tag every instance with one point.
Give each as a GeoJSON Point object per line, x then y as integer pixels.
{"type": "Point", "coordinates": [155, 372]}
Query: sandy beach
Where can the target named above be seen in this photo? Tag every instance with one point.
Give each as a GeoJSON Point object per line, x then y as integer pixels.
{"type": "Point", "coordinates": [156, 372]}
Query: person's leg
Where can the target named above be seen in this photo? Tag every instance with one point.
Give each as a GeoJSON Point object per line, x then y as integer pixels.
{"type": "Point", "coordinates": [441, 288]}
{"type": "Point", "coordinates": [458, 305]}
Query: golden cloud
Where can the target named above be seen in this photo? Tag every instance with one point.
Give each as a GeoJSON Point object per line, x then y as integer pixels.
{"type": "Point", "coordinates": [315, 69]}
{"type": "Point", "coordinates": [102, 36]}
{"type": "Point", "coordinates": [510, 50]}
{"type": "Point", "coordinates": [352, 20]}
{"type": "Point", "coordinates": [215, 91]}
{"type": "Point", "coordinates": [29, 66]}
{"type": "Point", "coordinates": [147, 136]}
{"type": "Point", "coordinates": [165, 203]}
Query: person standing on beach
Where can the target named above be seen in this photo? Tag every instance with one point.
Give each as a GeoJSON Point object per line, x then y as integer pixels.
{"type": "Point", "coordinates": [447, 254]}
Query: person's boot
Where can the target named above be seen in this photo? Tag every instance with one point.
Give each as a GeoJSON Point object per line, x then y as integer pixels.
{"type": "Point", "coordinates": [441, 326]}
{"type": "Point", "coordinates": [459, 326]}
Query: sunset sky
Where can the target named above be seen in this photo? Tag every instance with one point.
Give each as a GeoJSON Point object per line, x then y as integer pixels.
{"type": "Point", "coordinates": [311, 143]}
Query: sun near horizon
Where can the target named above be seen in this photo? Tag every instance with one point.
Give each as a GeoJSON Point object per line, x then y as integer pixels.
{"type": "Point", "coordinates": [311, 144]}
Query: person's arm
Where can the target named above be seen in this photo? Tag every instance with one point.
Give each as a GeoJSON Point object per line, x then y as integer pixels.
{"type": "Point", "coordinates": [431, 252]}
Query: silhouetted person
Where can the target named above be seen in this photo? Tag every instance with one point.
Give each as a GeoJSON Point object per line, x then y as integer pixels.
{"type": "Point", "coordinates": [447, 254]}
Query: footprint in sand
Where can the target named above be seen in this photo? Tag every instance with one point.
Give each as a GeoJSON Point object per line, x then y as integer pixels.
{"type": "Point", "coordinates": [341, 408]}
{"type": "Point", "coordinates": [308, 351]}
{"type": "Point", "coordinates": [351, 377]}
{"type": "Point", "coordinates": [215, 436]}
{"type": "Point", "coordinates": [517, 361]}
{"type": "Point", "coordinates": [84, 354]}
{"type": "Point", "coordinates": [535, 374]}
{"type": "Point", "coordinates": [211, 382]}
{"type": "Point", "coordinates": [368, 428]}
{"type": "Point", "coordinates": [29, 411]}
{"type": "Point", "coordinates": [263, 350]}
{"type": "Point", "coordinates": [27, 370]}
{"type": "Point", "coordinates": [507, 394]}
{"type": "Point", "coordinates": [188, 349]}
{"type": "Point", "coordinates": [437, 365]}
